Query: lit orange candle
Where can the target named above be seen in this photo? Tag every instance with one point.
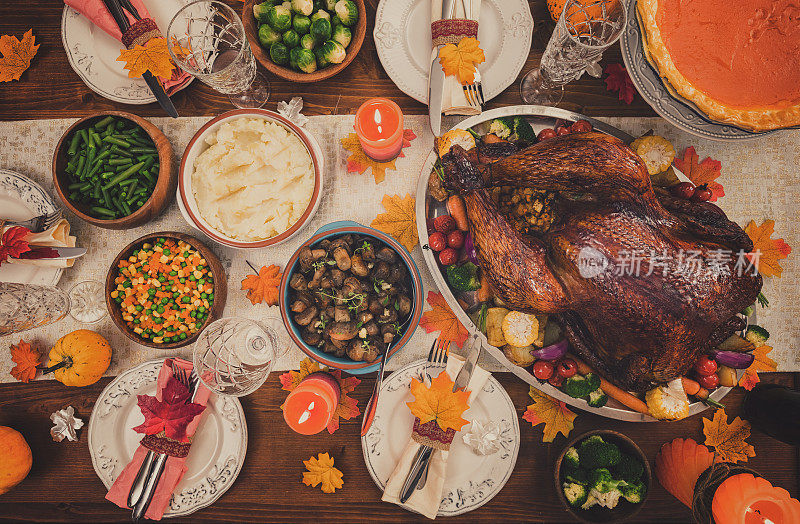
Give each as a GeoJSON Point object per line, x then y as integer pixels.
{"type": "Point", "coordinates": [379, 126]}
{"type": "Point", "coordinates": [310, 406]}
{"type": "Point", "coordinates": [746, 499]}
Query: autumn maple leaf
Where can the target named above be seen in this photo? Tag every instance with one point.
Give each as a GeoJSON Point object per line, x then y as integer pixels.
{"type": "Point", "coordinates": [13, 243]}
{"type": "Point", "coordinates": [460, 60]}
{"type": "Point", "coordinates": [700, 173]}
{"type": "Point", "coordinates": [291, 378]}
{"type": "Point", "coordinates": [17, 55]}
{"type": "Point", "coordinates": [767, 251]}
{"type": "Point", "coordinates": [171, 414]}
{"type": "Point", "coordinates": [153, 57]}
{"type": "Point", "coordinates": [728, 440]}
{"type": "Point", "coordinates": [399, 221]}
{"type": "Point", "coordinates": [26, 359]}
{"type": "Point", "coordinates": [441, 318]}
{"type": "Point", "coordinates": [555, 415]}
{"type": "Point", "coordinates": [321, 471]}
{"type": "Point", "coordinates": [761, 362]}
{"type": "Point", "coordinates": [359, 162]}
{"type": "Point", "coordinates": [618, 80]}
{"type": "Point", "coordinates": [439, 403]}
{"type": "Point", "coordinates": [264, 286]}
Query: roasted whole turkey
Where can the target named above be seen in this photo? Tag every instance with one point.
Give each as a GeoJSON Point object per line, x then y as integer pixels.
{"type": "Point", "coordinates": [641, 282]}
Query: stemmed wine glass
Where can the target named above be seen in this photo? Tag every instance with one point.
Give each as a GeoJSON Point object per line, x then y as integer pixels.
{"type": "Point", "coordinates": [584, 30]}
{"type": "Point", "coordinates": [26, 306]}
{"type": "Point", "coordinates": [207, 39]}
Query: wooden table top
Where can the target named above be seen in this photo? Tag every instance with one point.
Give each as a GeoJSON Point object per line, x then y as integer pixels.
{"type": "Point", "coordinates": [63, 485]}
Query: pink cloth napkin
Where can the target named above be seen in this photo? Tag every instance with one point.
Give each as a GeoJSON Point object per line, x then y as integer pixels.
{"type": "Point", "coordinates": [174, 469]}
{"type": "Point", "coordinates": [97, 13]}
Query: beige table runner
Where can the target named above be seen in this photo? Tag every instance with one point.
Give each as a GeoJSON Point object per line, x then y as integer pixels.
{"type": "Point", "coordinates": [761, 179]}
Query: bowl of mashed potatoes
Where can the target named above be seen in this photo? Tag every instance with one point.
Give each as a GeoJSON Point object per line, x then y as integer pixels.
{"type": "Point", "coordinates": [250, 178]}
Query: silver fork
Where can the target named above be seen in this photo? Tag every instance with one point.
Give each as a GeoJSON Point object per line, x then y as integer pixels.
{"type": "Point", "coordinates": [39, 223]}
{"type": "Point", "coordinates": [437, 358]}
{"type": "Point", "coordinates": [474, 91]}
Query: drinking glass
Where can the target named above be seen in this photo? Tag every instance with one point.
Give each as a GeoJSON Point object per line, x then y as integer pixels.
{"type": "Point", "coordinates": [584, 30]}
{"type": "Point", "coordinates": [26, 306]}
{"type": "Point", "coordinates": [87, 301]}
{"type": "Point", "coordinates": [234, 356]}
{"type": "Point", "coordinates": [207, 39]}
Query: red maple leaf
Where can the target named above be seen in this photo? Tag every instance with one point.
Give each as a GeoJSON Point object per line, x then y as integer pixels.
{"type": "Point", "coordinates": [618, 80]}
{"type": "Point", "coordinates": [13, 243]}
{"type": "Point", "coordinates": [348, 406]}
{"type": "Point", "coordinates": [170, 415]}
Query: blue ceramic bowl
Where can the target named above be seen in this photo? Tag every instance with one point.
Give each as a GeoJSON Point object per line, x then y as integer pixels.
{"type": "Point", "coordinates": [336, 229]}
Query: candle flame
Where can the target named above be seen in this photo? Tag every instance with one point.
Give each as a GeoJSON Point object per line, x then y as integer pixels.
{"type": "Point", "coordinates": [378, 121]}
{"type": "Point", "coordinates": [306, 414]}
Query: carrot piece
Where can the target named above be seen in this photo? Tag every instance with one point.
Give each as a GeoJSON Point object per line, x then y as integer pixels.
{"type": "Point", "coordinates": [485, 291]}
{"type": "Point", "coordinates": [691, 387]}
{"type": "Point", "coordinates": [457, 210]}
{"type": "Point", "coordinates": [613, 391]}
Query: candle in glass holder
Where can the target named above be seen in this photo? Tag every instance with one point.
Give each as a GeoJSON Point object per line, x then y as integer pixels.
{"type": "Point", "coordinates": [310, 406]}
{"type": "Point", "coordinates": [747, 499]}
{"type": "Point", "coordinates": [379, 126]}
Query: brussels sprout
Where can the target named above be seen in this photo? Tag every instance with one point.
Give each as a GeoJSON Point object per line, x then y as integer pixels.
{"type": "Point", "coordinates": [347, 11]}
{"type": "Point", "coordinates": [291, 38]}
{"type": "Point", "coordinates": [287, 4]}
{"type": "Point", "coordinates": [303, 7]}
{"type": "Point", "coordinates": [321, 29]}
{"type": "Point", "coordinates": [294, 54]}
{"type": "Point", "coordinates": [320, 14]}
{"type": "Point", "coordinates": [334, 52]}
{"type": "Point", "coordinates": [342, 35]}
{"type": "Point", "coordinates": [267, 36]}
{"type": "Point", "coordinates": [301, 24]}
{"type": "Point", "coordinates": [306, 61]}
{"type": "Point", "coordinates": [279, 53]}
{"type": "Point", "coordinates": [330, 5]}
{"type": "Point", "coordinates": [279, 18]}
{"type": "Point", "coordinates": [335, 20]}
{"type": "Point", "coordinates": [260, 11]}
{"type": "Point", "coordinates": [308, 42]}
{"type": "Point", "coordinates": [319, 4]}
{"type": "Point", "coordinates": [321, 60]}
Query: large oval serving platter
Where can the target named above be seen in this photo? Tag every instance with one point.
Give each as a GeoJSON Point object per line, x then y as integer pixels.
{"type": "Point", "coordinates": [540, 117]}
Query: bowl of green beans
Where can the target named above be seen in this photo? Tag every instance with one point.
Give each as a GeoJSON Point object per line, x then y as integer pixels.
{"type": "Point", "coordinates": [114, 170]}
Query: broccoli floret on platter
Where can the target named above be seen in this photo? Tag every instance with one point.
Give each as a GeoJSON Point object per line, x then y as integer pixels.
{"type": "Point", "coordinates": [597, 398]}
{"type": "Point", "coordinates": [575, 494]}
{"type": "Point", "coordinates": [571, 458]}
{"type": "Point", "coordinates": [596, 453]}
{"type": "Point", "coordinates": [629, 469]}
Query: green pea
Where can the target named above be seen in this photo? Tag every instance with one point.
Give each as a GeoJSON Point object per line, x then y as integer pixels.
{"type": "Point", "coordinates": [162, 278]}
{"type": "Point", "coordinates": [139, 307]}
{"type": "Point", "coordinates": [201, 309]}
{"type": "Point", "coordinates": [186, 300]}
{"type": "Point", "coordinates": [203, 296]}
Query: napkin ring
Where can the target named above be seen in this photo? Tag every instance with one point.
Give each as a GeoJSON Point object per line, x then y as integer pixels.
{"type": "Point", "coordinates": [452, 30]}
{"type": "Point", "coordinates": [165, 445]}
{"type": "Point", "coordinates": [431, 435]}
{"type": "Point", "coordinates": [141, 32]}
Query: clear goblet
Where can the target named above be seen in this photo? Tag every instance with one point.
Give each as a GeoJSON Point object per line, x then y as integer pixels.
{"type": "Point", "coordinates": [584, 30]}
{"type": "Point", "coordinates": [207, 40]}
{"type": "Point", "coordinates": [26, 306]}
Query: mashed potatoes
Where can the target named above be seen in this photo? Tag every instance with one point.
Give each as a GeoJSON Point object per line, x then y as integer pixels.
{"type": "Point", "coordinates": [254, 181]}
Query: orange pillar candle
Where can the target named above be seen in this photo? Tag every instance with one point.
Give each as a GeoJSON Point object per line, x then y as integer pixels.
{"type": "Point", "coordinates": [310, 406]}
{"type": "Point", "coordinates": [379, 126]}
{"type": "Point", "coordinates": [746, 499]}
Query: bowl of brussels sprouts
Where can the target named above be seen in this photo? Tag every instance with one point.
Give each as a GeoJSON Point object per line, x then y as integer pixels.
{"type": "Point", "coordinates": [305, 40]}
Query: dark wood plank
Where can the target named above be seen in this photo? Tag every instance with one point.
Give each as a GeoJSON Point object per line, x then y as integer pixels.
{"type": "Point", "coordinates": [51, 89]}
{"type": "Point", "coordinates": [63, 485]}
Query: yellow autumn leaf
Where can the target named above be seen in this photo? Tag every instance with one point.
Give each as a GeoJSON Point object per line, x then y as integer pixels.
{"type": "Point", "coordinates": [153, 57]}
{"type": "Point", "coordinates": [460, 60]}
{"type": "Point", "coordinates": [767, 251]}
{"type": "Point", "coordinates": [556, 416]}
{"type": "Point", "coordinates": [291, 378]}
{"type": "Point", "coordinates": [439, 402]}
{"type": "Point", "coordinates": [761, 362]}
{"type": "Point", "coordinates": [400, 220]}
{"type": "Point", "coordinates": [728, 440]}
{"type": "Point", "coordinates": [16, 55]}
{"type": "Point", "coordinates": [321, 471]}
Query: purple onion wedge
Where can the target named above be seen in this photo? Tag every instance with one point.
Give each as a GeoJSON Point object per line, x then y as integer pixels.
{"type": "Point", "coordinates": [733, 359]}
{"type": "Point", "coordinates": [553, 351]}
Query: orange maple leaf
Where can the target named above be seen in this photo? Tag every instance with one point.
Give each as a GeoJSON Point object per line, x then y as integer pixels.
{"type": "Point", "coordinates": [439, 402]}
{"type": "Point", "coordinates": [441, 318]}
{"type": "Point", "coordinates": [26, 359]}
{"type": "Point", "coordinates": [460, 60]}
{"type": "Point", "coordinates": [17, 55]}
{"type": "Point", "coordinates": [291, 379]}
{"type": "Point", "coordinates": [728, 440]}
{"type": "Point", "coordinates": [153, 57]}
{"type": "Point", "coordinates": [358, 161]}
{"type": "Point", "coordinates": [705, 172]}
{"type": "Point", "coordinates": [767, 251]}
{"type": "Point", "coordinates": [264, 286]}
{"type": "Point", "coordinates": [321, 471]}
{"type": "Point", "coordinates": [555, 414]}
{"type": "Point", "coordinates": [400, 220]}
{"type": "Point", "coordinates": [761, 363]}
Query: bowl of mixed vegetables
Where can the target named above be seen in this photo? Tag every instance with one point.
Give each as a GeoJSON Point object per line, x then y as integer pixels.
{"type": "Point", "coordinates": [114, 170]}
{"type": "Point", "coordinates": [305, 40]}
{"type": "Point", "coordinates": [163, 289]}
{"type": "Point", "coordinates": [602, 476]}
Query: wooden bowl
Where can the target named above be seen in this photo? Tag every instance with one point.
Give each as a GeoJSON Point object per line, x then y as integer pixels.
{"type": "Point", "coordinates": [624, 510]}
{"type": "Point", "coordinates": [166, 184]}
{"type": "Point", "coordinates": [217, 271]}
{"type": "Point", "coordinates": [262, 55]}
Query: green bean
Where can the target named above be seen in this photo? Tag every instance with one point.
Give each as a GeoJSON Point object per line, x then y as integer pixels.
{"type": "Point", "coordinates": [125, 206]}
{"type": "Point", "coordinates": [125, 174]}
{"type": "Point", "coordinates": [116, 141]}
{"type": "Point", "coordinates": [106, 197]}
{"type": "Point", "coordinates": [103, 211]}
{"type": "Point", "coordinates": [148, 150]}
{"type": "Point", "coordinates": [102, 124]}
{"type": "Point", "coordinates": [149, 177]}
{"type": "Point", "coordinates": [76, 185]}
{"type": "Point", "coordinates": [84, 136]}
{"type": "Point", "coordinates": [117, 205]}
{"type": "Point", "coordinates": [81, 162]}
{"type": "Point", "coordinates": [73, 145]}
{"type": "Point", "coordinates": [120, 161]}
{"type": "Point", "coordinates": [121, 152]}
{"type": "Point", "coordinates": [74, 195]}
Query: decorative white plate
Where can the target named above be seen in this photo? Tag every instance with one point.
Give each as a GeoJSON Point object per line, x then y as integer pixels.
{"type": "Point", "coordinates": [214, 461]}
{"type": "Point", "coordinates": [472, 480]}
{"type": "Point", "coordinates": [403, 39]}
{"type": "Point", "coordinates": [93, 54]}
{"type": "Point", "coordinates": [20, 199]}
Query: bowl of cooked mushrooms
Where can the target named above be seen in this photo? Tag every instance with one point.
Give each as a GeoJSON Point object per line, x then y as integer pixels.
{"type": "Point", "coordinates": [351, 295]}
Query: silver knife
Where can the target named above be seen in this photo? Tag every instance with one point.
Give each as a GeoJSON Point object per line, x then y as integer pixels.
{"type": "Point", "coordinates": [67, 253]}
{"type": "Point", "coordinates": [462, 380]}
{"type": "Point", "coordinates": [436, 77]}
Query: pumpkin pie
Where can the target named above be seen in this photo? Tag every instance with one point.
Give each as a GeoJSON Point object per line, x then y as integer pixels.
{"type": "Point", "coordinates": [738, 61]}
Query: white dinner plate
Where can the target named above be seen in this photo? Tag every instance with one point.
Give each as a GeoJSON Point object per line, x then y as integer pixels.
{"type": "Point", "coordinates": [403, 39]}
{"type": "Point", "coordinates": [472, 480]}
{"type": "Point", "coordinates": [217, 452]}
{"type": "Point", "coordinates": [21, 199]}
{"type": "Point", "coordinates": [93, 54]}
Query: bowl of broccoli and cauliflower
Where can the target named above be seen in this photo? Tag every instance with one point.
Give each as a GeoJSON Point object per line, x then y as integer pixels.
{"type": "Point", "coordinates": [602, 476]}
{"type": "Point", "coordinates": [305, 40]}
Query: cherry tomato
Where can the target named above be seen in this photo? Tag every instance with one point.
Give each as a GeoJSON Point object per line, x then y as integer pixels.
{"type": "Point", "coordinates": [448, 256]}
{"type": "Point", "coordinates": [709, 382]}
{"type": "Point", "coordinates": [581, 126]}
{"type": "Point", "coordinates": [444, 224]}
{"type": "Point", "coordinates": [567, 367]}
{"type": "Point", "coordinates": [437, 241]}
{"type": "Point", "coordinates": [562, 130]}
{"type": "Point", "coordinates": [455, 239]}
{"type": "Point", "coordinates": [702, 193]}
{"type": "Point", "coordinates": [556, 380]}
{"type": "Point", "coordinates": [705, 366]}
{"type": "Point", "coordinates": [545, 134]}
{"type": "Point", "coordinates": [682, 190]}
{"type": "Point", "coordinates": [543, 369]}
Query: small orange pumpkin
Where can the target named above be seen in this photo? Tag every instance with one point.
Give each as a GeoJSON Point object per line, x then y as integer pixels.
{"type": "Point", "coordinates": [79, 358]}
{"type": "Point", "coordinates": [15, 458]}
